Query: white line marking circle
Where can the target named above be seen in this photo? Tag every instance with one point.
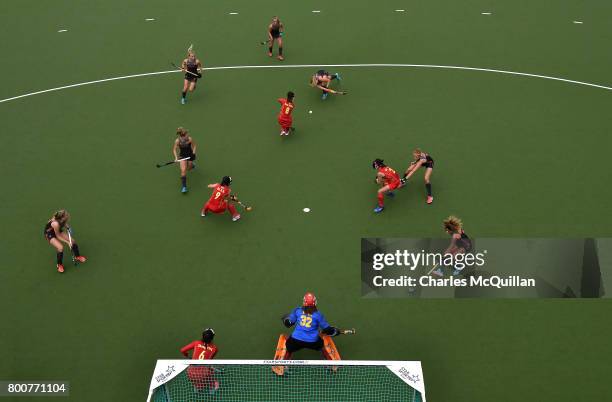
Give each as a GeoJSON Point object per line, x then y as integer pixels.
{"type": "Point", "coordinates": [373, 65]}
{"type": "Point", "coordinates": [62, 30]}
{"type": "Point", "coordinates": [306, 210]}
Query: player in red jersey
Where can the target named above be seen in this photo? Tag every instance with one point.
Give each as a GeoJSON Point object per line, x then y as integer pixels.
{"type": "Point", "coordinates": [284, 117]}
{"type": "Point", "coordinates": [389, 181]}
{"type": "Point", "coordinates": [202, 377]}
{"type": "Point", "coordinates": [219, 201]}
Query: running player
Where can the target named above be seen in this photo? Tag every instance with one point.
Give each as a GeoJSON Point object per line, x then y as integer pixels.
{"type": "Point", "coordinates": [56, 232]}
{"type": "Point", "coordinates": [421, 159]}
{"type": "Point", "coordinates": [388, 179]}
{"type": "Point", "coordinates": [284, 117]}
{"type": "Point", "coordinates": [308, 322]}
{"type": "Point", "coordinates": [192, 67]}
{"type": "Point", "coordinates": [184, 147]}
{"type": "Point", "coordinates": [276, 29]}
{"type": "Point", "coordinates": [321, 79]}
{"type": "Point", "coordinates": [202, 377]}
{"type": "Point", "coordinates": [460, 242]}
{"type": "Point", "coordinates": [220, 199]}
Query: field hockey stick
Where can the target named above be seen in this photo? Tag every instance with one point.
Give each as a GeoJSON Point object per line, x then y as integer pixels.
{"type": "Point", "coordinates": [69, 230]}
{"type": "Point", "coordinates": [433, 269]}
{"type": "Point", "coordinates": [246, 207]}
{"type": "Point", "coordinates": [171, 162]}
{"type": "Point", "coordinates": [188, 72]}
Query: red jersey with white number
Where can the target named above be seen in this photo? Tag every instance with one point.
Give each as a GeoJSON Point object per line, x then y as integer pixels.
{"type": "Point", "coordinates": [218, 198]}
{"type": "Point", "coordinates": [390, 175]}
{"type": "Point", "coordinates": [286, 109]}
{"type": "Point", "coordinates": [201, 350]}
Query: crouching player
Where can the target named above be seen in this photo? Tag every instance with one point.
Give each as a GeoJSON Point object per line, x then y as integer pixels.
{"type": "Point", "coordinates": [284, 117]}
{"type": "Point", "coordinates": [308, 322]}
{"type": "Point", "coordinates": [321, 79]}
{"type": "Point", "coordinates": [57, 232]}
{"type": "Point", "coordinates": [460, 242]}
{"type": "Point", "coordinates": [388, 179]}
{"type": "Point", "coordinates": [219, 201]}
{"type": "Point", "coordinates": [202, 377]}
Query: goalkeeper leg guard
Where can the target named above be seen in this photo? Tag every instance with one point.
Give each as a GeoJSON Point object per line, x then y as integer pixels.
{"type": "Point", "coordinates": [330, 352]}
{"type": "Point", "coordinates": [281, 354]}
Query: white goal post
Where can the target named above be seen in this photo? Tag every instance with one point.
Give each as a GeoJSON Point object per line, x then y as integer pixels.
{"type": "Point", "coordinates": [308, 380]}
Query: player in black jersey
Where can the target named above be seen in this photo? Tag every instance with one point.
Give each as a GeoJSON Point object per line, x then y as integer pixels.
{"type": "Point", "coordinates": [421, 159]}
{"type": "Point", "coordinates": [184, 147]}
{"type": "Point", "coordinates": [56, 232]}
{"type": "Point", "coordinates": [276, 30]}
{"type": "Point", "coordinates": [193, 70]}
{"type": "Point", "coordinates": [460, 242]}
{"type": "Point", "coordinates": [321, 79]}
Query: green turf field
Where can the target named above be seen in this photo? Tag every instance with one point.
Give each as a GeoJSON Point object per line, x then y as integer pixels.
{"type": "Point", "coordinates": [516, 156]}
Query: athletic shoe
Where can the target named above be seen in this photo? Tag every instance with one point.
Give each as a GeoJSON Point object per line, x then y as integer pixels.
{"type": "Point", "coordinates": [281, 58]}
{"type": "Point", "coordinates": [379, 209]}
{"type": "Point", "coordinates": [184, 190]}
{"type": "Point", "coordinates": [338, 77]}
{"type": "Point", "coordinates": [60, 268]}
{"type": "Point", "coordinates": [81, 259]}
{"type": "Point", "coordinates": [324, 96]}
{"type": "Point", "coordinates": [390, 194]}
{"type": "Point", "coordinates": [235, 218]}
{"type": "Point", "coordinates": [270, 54]}
{"type": "Point", "coordinates": [283, 133]}
{"type": "Point", "coordinates": [457, 272]}
{"type": "Point", "coordinates": [429, 199]}
{"type": "Point", "coordinates": [202, 213]}
{"type": "Point", "coordinates": [438, 272]}
{"type": "Point", "coordinates": [183, 101]}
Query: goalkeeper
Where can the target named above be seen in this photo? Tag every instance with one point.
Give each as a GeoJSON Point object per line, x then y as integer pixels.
{"type": "Point", "coordinates": [308, 322]}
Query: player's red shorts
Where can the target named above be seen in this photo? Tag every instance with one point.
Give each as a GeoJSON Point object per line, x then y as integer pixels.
{"type": "Point", "coordinates": [202, 377]}
{"type": "Point", "coordinates": [285, 123]}
{"type": "Point", "coordinates": [394, 184]}
{"type": "Point", "coordinates": [217, 209]}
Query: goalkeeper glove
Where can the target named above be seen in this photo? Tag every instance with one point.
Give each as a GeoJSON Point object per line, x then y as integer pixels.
{"type": "Point", "coordinates": [286, 321]}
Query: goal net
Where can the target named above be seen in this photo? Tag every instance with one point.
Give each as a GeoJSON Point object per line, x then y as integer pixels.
{"type": "Point", "coordinates": [286, 380]}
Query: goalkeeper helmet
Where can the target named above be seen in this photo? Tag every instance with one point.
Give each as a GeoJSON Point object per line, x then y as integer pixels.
{"type": "Point", "coordinates": [226, 180]}
{"type": "Point", "coordinates": [378, 163]}
{"type": "Point", "coordinates": [208, 335]}
{"type": "Point", "coordinates": [310, 300]}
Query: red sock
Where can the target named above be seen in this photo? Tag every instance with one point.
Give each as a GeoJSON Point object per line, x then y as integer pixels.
{"type": "Point", "coordinates": [232, 209]}
{"type": "Point", "coordinates": [381, 199]}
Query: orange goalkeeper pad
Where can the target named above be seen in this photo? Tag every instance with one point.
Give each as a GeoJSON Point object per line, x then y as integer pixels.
{"type": "Point", "coordinates": [281, 353]}
{"type": "Point", "coordinates": [330, 349]}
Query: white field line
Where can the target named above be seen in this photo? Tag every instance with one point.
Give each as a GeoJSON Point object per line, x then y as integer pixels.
{"type": "Point", "coordinates": [373, 65]}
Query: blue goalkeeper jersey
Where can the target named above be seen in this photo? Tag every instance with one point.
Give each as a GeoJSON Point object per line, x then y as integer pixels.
{"type": "Point", "coordinates": [307, 326]}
